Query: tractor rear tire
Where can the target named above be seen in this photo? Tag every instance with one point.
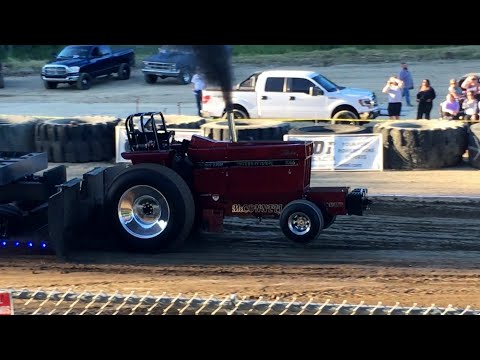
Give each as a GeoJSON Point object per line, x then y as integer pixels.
{"type": "Point", "coordinates": [146, 191]}
{"type": "Point", "coordinates": [474, 145]}
{"type": "Point", "coordinates": [301, 221]}
{"type": "Point", "coordinates": [422, 144]}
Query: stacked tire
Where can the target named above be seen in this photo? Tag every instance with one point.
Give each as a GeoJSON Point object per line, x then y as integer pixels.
{"type": "Point", "coordinates": [247, 130]}
{"type": "Point", "coordinates": [17, 133]}
{"type": "Point", "coordinates": [329, 130]}
{"type": "Point", "coordinates": [474, 145]}
{"type": "Point", "coordinates": [78, 139]}
{"type": "Point", "coordinates": [422, 144]}
{"type": "Point", "coordinates": [184, 122]}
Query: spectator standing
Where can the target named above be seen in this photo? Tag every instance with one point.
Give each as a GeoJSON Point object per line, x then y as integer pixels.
{"type": "Point", "coordinates": [199, 84]}
{"type": "Point", "coordinates": [406, 76]}
{"type": "Point", "coordinates": [425, 96]}
{"type": "Point", "coordinates": [393, 89]}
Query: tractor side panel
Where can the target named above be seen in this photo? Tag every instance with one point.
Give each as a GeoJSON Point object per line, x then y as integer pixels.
{"type": "Point", "coordinates": [333, 199]}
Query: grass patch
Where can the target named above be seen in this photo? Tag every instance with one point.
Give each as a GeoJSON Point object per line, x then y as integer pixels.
{"type": "Point", "coordinates": [29, 59]}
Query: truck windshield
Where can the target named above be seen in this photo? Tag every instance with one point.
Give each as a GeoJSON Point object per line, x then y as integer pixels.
{"type": "Point", "coordinates": [74, 52]}
{"type": "Point", "coordinates": [327, 84]}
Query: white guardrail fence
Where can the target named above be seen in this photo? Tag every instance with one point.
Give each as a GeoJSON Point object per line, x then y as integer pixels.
{"type": "Point", "coordinates": [52, 302]}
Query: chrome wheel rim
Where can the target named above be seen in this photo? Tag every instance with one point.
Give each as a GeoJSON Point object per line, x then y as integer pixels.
{"type": "Point", "coordinates": [143, 211]}
{"type": "Point", "coordinates": [186, 77]}
{"type": "Point", "coordinates": [299, 223]}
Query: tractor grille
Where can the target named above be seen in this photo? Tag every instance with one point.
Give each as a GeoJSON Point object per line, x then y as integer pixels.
{"type": "Point", "coordinates": [55, 70]}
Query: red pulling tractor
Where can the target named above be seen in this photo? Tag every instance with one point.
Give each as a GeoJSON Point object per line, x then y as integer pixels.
{"type": "Point", "coordinates": [173, 188]}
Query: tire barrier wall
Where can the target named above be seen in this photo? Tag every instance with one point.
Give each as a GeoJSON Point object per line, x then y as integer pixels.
{"type": "Point", "coordinates": [414, 144]}
{"type": "Point", "coordinates": [330, 130]}
{"type": "Point", "coordinates": [40, 302]}
{"type": "Point", "coordinates": [247, 130]}
{"type": "Point", "coordinates": [77, 139]}
{"type": "Point", "coordinates": [474, 145]}
{"type": "Point", "coordinates": [17, 133]}
{"type": "Point", "coordinates": [422, 144]}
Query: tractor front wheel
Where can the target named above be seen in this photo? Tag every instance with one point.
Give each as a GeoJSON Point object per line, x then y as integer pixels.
{"type": "Point", "coordinates": [301, 221]}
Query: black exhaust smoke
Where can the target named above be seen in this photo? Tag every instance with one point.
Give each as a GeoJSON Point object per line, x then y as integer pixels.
{"type": "Point", "coordinates": [215, 63]}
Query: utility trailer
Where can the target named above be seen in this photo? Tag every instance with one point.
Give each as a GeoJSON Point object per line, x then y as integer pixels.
{"type": "Point", "coordinates": [170, 190]}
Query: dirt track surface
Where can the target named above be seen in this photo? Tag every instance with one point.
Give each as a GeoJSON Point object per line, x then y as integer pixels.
{"type": "Point", "coordinates": [423, 251]}
{"type": "Point", "coordinates": [404, 251]}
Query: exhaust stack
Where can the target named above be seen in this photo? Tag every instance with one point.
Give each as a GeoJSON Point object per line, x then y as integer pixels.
{"type": "Point", "coordinates": [231, 126]}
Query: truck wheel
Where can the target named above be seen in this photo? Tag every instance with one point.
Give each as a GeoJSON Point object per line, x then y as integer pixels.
{"type": "Point", "coordinates": [185, 77]}
{"type": "Point", "coordinates": [474, 145]}
{"type": "Point", "coordinates": [50, 85]}
{"type": "Point", "coordinates": [150, 79]}
{"type": "Point", "coordinates": [346, 115]}
{"type": "Point", "coordinates": [151, 208]}
{"type": "Point", "coordinates": [240, 114]}
{"type": "Point", "coordinates": [84, 81]}
{"type": "Point", "coordinates": [2, 82]}
{"type": "Point", "coordinates": [247, 130]}
{"type": "Point", "coordinates": [329, 129]}
{"type": "Point", "coordinates": [123, 72]}
{"type": "Point", "coordinates": [301, 221]}
{"type": "Point", "coordinates": [422, 144]}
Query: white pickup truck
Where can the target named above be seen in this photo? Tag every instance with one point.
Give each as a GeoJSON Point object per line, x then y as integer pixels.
{"type": "Point", "coordinates": [292, 94]}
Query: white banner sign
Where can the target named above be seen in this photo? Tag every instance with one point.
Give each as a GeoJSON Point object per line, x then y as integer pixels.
{"type": "Point", "coordinates": [345, 152]}
{"type": "Point", "coordinates": [121, 141]}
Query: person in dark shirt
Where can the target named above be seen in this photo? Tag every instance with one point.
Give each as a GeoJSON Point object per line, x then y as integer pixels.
{"type": "Point", "coordinates": [406, 77]}
{"type": "Point", "coordinates": [425, 96]}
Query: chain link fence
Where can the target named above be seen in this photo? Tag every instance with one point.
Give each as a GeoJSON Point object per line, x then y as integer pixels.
{"type": "Point", "coordinates": [40, 302]}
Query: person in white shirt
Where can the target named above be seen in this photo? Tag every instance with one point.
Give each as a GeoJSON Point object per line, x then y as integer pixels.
{"type": "Point", "coordinates": [198, 81]}
{"type": "Point", "coordinates": [393, 89]}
